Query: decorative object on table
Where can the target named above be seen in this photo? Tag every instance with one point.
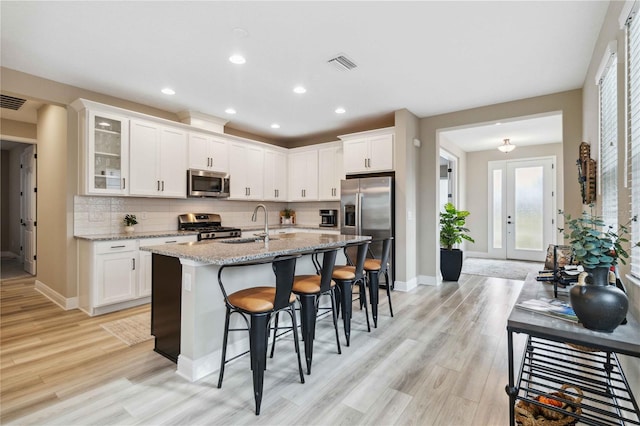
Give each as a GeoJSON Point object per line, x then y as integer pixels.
{"type": "Point", "coordinates": [586, 174]}
{"type": "Point", "coordinates": [452, 232]}
{"type": "Point", "coordinates": [287, 217]}
{"type": "Point", "coordinates": [530, 414]}
{"type": "Point", "coordinates": [558, 256]}
{"type": "Point", "coordinates": [597, 247]}
{"type": "Point", "coordinates": [129, 220]}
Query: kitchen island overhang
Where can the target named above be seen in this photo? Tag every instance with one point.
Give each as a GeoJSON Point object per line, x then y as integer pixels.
{"type": "Point", "coordinates": [185, 289]}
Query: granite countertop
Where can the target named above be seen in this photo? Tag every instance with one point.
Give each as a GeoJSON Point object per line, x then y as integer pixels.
{"type": "Point", "coordinates": [226, 252]}
{"type": "Point", "coordinates": [290, 226]}
{"type": "Point", "coordinates": [134, 235]}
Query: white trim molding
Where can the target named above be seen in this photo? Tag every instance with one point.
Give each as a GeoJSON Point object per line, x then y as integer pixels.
{"type": "Point", "coordinates": [607, 60]}
{"type": "Point", "coordinates": [66, 303]}
{"type": "Point", "coordinates": [405, 285]}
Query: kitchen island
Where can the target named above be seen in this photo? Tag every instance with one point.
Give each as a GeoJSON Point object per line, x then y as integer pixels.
{"type": "Point", "coordinates": [187, 306]}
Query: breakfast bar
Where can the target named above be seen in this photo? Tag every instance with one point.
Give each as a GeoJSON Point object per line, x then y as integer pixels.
{"type": "Point", "coordinates": [187, 306]}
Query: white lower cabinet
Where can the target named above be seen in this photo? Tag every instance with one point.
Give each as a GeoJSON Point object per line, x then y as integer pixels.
{"type": "Point", "coordinates": [114, 275]}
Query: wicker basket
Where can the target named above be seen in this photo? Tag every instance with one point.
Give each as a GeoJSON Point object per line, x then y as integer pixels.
{"type": "Point", "coordinates": [528, 414]}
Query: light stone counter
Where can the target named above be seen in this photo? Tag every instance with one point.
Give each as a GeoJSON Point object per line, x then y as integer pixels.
{"type": "Point", "coordinates": [240, 250]}
{"type": "Point", "coordinates": [134, 235]}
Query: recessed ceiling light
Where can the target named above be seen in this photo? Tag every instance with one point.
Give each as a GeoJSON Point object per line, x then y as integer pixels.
{"type": "Point", "coordinates": [340, 110]}
{"type": "Point", "coordinates": [498, 123]}
{"type": "Point", "coordinates": [299, 89]}
{"type": "Point", "coordinates": [230, 111]}
{"type": "Point", "coordinates": [237, 59]}
{"type": "Point", "coordinates": [275, 126]}
{"type": "Point", "coordinates": [168, 91]}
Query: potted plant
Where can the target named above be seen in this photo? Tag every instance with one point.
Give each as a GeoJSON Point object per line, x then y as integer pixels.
{"type": "Point", "coordinates": [598, 248]}
{"type": "Point", "coordinates": [287, 216]}
{"type": "Point", "coordinates": [129, 220]}
{"type": "Point", "coordinates": [452, 232]}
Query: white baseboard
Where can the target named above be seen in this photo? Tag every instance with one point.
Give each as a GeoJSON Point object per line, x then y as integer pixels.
{"type": "Point", "coordinates": [9, 254]}
{"type": "Point", "coordinates": [429, 280]}
{"type": "Point", "coordinates": [478, 254]}
{"type": "Point", "coordinates": [194, 370]}
{"type": "Point", "coordinates": [66, 303]}
{"type": "Point", "coordinates": [405, 285]}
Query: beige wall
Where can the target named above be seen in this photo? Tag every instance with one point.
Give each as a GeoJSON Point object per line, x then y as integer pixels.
{"type": "Point", "coordinates": [53, 167]}
{"type": "Point", "coordinates": [477, 182]}
{"type": "Point", "coordinates": [569, 103]}
{"type": "Point", "coordinates": [10, 129]}
{"type": "Point", "coordinates": [406, 158]}
{"type": "Point", "coordinates": [4, 202]}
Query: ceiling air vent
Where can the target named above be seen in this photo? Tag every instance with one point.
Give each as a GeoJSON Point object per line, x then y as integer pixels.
{"type": "Point", "coordinates": [342, 63]}
{"type": "Point", "coordinates": [9, 102]}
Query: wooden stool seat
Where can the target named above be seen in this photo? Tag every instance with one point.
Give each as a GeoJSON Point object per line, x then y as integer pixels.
{"type": "Point", "coordinates": [256, 299]}
{"type": "Point", "coordinates": [372, 265]}
{"type": "Point", "coordinates": [308, 284]}
{"type": "Point", "coordinates": [344, 272]}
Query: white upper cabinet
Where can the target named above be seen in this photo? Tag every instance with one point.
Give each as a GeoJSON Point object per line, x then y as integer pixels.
{"type": "Point", "coordinates": [158, 160]}
{"type": "Point", "coordinates": [246, 171]}
{"type": "Point", "coordinates": [368, 152]}
{"type": "Point", "coordinates": [303, 175]}
{"type": "Point", "coordinates": [275, 175]}
{"type": "Point", "coordinates": [330, 172]}
{"type": "Point", "coordinates": [208, 153]}
{"type": "Point", "coordinates": [104, 146]}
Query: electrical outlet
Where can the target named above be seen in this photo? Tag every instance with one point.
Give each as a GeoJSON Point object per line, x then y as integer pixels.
{"type": "Point", "coordinates": [187, 281]}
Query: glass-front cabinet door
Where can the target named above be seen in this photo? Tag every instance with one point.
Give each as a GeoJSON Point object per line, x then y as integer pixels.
{"type": "Point", "coordinates": [108, 162]}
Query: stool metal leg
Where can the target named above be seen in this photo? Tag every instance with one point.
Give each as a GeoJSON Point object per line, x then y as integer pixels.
{"type": "Point", "coordinates": [346, 302]}
{"type": "Point", "coordinates": [258, 335]}
{"type": "Point", "coordinates": [308, 321]}
{"type": "Point", "coordinates": [224, 347]}
{"type": "Point", "coordinates": [334, 311]}
{"type": "Point", "coordinates": [292, 313]}
{"type": "Point", "coordinates": [363, 298]}
{"type": "Point", "coordinates": [386, 275]}
{"type": "Point", "coordinates": [373, 278]}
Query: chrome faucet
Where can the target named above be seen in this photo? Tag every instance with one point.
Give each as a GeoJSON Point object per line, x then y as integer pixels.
{"type": "Point", "coordinates": [266, 220]}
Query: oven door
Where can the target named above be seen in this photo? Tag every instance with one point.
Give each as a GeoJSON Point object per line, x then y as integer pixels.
{"type": "Point", "coordinates": [203, 183]}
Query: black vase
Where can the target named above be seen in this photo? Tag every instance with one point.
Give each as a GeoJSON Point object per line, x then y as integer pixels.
{"type": "Point", "coordinates": [450, 264]}
{"type": "Point", "coordinates": [598, 305]}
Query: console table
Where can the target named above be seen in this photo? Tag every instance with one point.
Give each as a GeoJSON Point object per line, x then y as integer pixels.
{"type": "Point", "coordinates": [548, 363]}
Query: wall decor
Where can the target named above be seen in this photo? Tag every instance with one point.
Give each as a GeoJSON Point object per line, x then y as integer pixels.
{"type": "Point", "coordinates": [587, 174]}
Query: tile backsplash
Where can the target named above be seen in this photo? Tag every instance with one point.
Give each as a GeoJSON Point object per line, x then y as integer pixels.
{"type": "Point", "coordinates": [104, 215]}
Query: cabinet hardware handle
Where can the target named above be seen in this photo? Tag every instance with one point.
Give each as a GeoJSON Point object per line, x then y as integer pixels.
{"type": "Point", "coordinates": [162, 185]}
{"type": "Point", "coordinates": [124, 183]}
{"type": "Point", "coordinates": [365, 162]}
{"type": "Point", "coordinates": [172, 241]}
{"type": "Point", "coordinates": [211, 161]}
{"type": "Point", "coordinates": [249, 190]}
{"type": "Point", "coordinates": [158, 185]}
{"type": "Point", "coordinates": [117, 246]}
{"type": "Point", "coordinates": [133, 263]}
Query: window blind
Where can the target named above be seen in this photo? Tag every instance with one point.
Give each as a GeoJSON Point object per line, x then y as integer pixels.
{"type": "Point", "coordinates": [608, 86]}
{"type": "Point", "coordinates": [633, 146]}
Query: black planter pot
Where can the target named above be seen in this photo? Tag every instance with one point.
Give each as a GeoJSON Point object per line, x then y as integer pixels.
{"type": "Point", "coordinates": [450, 264]}
{"type": "Point", "coordinates": [598, 305]}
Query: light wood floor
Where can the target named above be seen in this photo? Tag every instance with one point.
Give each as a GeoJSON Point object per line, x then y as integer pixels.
{"type": "Point", "coordinates": [440, 361]}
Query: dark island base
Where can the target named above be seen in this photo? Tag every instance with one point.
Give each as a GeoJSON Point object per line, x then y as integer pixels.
{"type": "Point", "coordinates": [166, 301]}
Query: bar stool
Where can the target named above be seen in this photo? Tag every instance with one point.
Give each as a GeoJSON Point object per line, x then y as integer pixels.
{"type": "Point", "coordinates": [346, 276]}
{"type": "Point", "coordinates": [309, 289]}
{"type": "Point", "coordinates": [259, 304]}
{"type": "Point", "coordinates": [373, 268]}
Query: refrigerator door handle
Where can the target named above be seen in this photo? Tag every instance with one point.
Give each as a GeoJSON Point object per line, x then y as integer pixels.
{"type": "Point", "coordinates": [358, 213]}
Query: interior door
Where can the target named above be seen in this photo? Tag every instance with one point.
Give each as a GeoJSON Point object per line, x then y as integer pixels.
{"type": "Point", "coordinates": [28, 208]}
{"type": "Point", "coordinates": [521, 208]}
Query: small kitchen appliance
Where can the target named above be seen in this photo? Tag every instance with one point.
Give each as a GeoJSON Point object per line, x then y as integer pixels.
{"type": "Point", "coordinates": [329, 218]}
{"type": "Point", "coordinates": [208, 225]}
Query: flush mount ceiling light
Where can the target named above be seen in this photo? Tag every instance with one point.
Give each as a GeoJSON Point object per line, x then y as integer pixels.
{"type": "Point", "coordinates": [237, 59]}
{"type": "Point", "coordinates": [168, 91]}
{"type": "Point", "coordinates": [299, 90]}
{"type": "Point", "coordinates": [275, 126]}
{"type": "Point", "coordinates": [506, 146]}
{"type": "Point", "coordinates": [230, 111]}
{"type": "Point", "coordinates": [340, 110]}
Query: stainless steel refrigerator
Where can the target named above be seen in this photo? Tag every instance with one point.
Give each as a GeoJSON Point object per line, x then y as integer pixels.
{"type": "Point", "coordinates": [367, 208]}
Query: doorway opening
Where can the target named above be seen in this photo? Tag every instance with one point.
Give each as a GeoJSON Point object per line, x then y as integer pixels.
{"type": "Point", "coordinates": [522, 202]}
{"type": "Point", "coordinates": [448, 178]}
{"type": "Point", "coordinates": [19, 210]}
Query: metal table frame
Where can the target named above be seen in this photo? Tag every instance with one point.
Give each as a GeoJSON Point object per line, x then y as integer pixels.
{"type": "Point", "coordinates": [548, 362]}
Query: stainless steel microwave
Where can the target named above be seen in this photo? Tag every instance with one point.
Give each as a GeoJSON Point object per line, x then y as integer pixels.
{"type": "Point", "coordinates": [204, 183]}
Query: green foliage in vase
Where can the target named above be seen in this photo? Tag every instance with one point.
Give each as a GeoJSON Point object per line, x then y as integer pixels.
{"type": "Point", "coordinates": [594, 243]}
{"type": "Point", "coordinates": [452, 230]}
{"type": "Point", "coordinates": [130, 220]}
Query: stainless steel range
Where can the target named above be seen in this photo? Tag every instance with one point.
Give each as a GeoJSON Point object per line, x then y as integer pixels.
{"type": "Point", "coordinates": [208, 226]}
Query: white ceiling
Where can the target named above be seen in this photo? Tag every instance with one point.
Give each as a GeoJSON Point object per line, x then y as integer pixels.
{"type": "Point", "coordinates": [429, 57]}
{"type": "Point", "coordinates": [526, 131]}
